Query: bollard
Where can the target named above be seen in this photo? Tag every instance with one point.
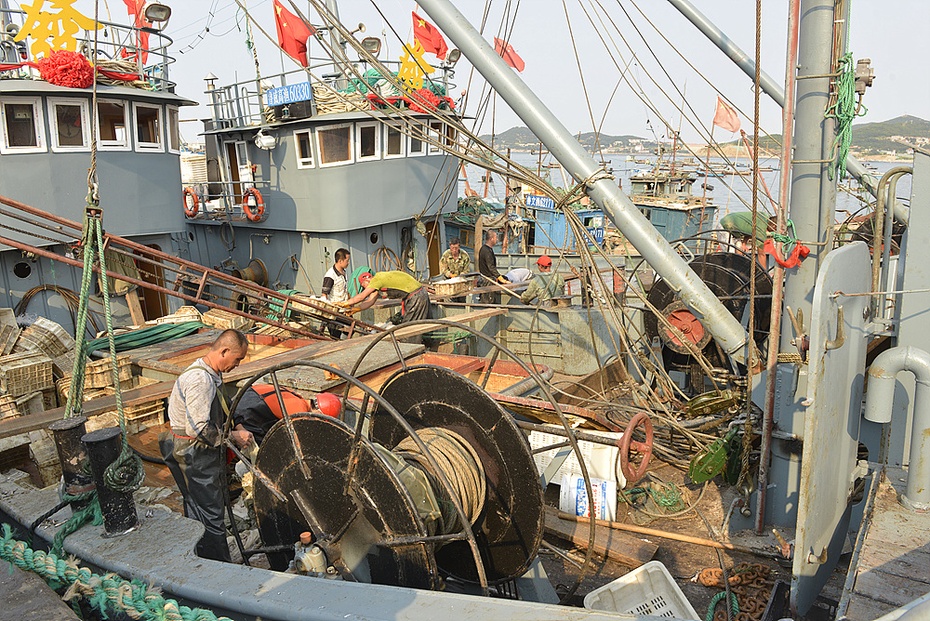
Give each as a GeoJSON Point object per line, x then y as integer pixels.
{"type": "Point", "coordinates": [119, 509]}
{"type": "Point", "coordinates": [73, 458]}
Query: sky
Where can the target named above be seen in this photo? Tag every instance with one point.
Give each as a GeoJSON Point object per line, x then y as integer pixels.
{"type": "Point", "coordinates": [595, 35]}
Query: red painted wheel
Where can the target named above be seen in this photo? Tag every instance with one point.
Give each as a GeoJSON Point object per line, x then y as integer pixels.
{"type": "Point", "coordinates": [627, 444]}
{"type": "Point", "coordinates": [690, 334]}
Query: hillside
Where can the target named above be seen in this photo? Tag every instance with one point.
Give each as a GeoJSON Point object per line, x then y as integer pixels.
{"type": "Point", "coordinates": [868, 138]}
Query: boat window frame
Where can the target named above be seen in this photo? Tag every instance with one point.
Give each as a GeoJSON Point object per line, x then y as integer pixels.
{"type": "Point", "coordinates": [320, 131]}
{"type": "Point", "coordinates": [437, 136]}
{"type": "Point", "coordinates": [176, 124]}
{"type": "Point", "coordinates": [38, 124]}
{"type": "Point", "coordinates": [115, 145]}
{"type": "Point", "coordinates": [151, 147]}
{"type": "Point", "coordinates": [358, 141]}
{"type": "Point", "coordinates": [84, 104]}
{"type": "Point", "coordinates": [417, 136]}
{"type": "Point", "coordinates": [388, 128]}
{"type": "Point", "coordinates": [302, 163]}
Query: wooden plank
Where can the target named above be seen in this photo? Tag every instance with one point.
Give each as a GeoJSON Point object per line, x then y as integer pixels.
{"type": "Point", "coordinates": [863, 608]}
{"type": "Point", "coordinates": [897, 561]}
{"type": "Point", "coordinates": [616, 545]}
{"type": "Point", "coordinates": [25, 424]}
{"type": "Point", "coordinates": [885, 587]}
{"type": "Point", "coordinates": [135, 307]}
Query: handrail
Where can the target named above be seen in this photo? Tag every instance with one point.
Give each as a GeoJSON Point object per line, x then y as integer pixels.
{"type": "Point", "coordinates": [122, 37]}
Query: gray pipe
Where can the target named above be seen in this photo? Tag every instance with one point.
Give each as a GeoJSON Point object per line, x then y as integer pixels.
{"type": "Point", "coordinates": [726, 329]}
{"type": "Point", "coordinates": [771, 88]}
{"type": "Point", "coordinates": [878, 402]}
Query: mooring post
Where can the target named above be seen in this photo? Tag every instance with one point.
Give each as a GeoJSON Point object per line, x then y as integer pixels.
{"type": "Point", "coordinates": [119, 509]}
{"type": "Point", "coordinates": [73, 458]}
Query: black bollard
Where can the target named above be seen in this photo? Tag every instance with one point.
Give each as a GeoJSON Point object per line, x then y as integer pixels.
{"type": "Point", "coordinates": [73, 458]}
{"type": "Point", "coordinates": [119, 509]}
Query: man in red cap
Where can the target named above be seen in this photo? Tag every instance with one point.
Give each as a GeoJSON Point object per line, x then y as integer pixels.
{"type": "Point", "coordinates": [546, 286]}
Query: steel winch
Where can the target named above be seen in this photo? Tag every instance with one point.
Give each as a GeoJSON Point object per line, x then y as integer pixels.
{"type": "Point", "coordinates": [435, 482]}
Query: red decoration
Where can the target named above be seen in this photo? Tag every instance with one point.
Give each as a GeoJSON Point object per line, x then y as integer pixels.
{"type": "Point", "coordinates": [794, 258]}
{"type": "Point", "coordinates": [64, 68]}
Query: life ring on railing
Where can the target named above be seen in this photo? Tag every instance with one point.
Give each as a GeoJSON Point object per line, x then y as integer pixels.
{"type": "Point", "coordinates": [253, 213]}
{"type": "Point", "coordinates": [190, 203]}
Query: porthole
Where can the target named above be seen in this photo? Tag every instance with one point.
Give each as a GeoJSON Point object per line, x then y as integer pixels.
{"type": "Point", "coordinates": [374, 238]}
{"type": "Point", "coordinates": [22, 269]}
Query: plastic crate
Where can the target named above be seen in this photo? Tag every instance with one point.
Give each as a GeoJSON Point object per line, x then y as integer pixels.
{"type": "Point", "coordinates": [647, 590]}
{"type": "Point", "coordinates": [182, 315]}
{"type": "Point", "coordinates": [453, 286]}
{"type": "Point", "coordinates": [9, 330]}
{"type": "Point", "coordinates": [8, 408]}
{"type": "Point", "coordinates": [224, 320]}
{"type": "Point", "coordinates": [99, 374]}
{"type": "Point", "coordinates": [24, 373]}
{"type": "Point", "coordinates": [45, 336]}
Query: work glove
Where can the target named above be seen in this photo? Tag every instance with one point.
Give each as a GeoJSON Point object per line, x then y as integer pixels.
{"type": "Point", "coordinates": [503, 280]}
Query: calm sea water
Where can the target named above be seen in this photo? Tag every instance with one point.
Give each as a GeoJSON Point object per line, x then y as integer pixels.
{"type": "Point", "coordinates": [730, 193]}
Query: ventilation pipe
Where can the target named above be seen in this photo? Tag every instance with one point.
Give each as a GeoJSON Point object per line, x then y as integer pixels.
{"type": "Point", "coordinates": [878, 402]}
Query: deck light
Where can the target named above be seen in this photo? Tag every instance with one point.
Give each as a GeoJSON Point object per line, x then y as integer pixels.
{"type": "Point", "coordinates": [453, 57]}
{"type": "Point", "coordinates": [372, 45]}
{"type": "Point", "coordinates": [157, 13]}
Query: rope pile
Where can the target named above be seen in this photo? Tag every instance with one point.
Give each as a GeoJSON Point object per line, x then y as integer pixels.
{"type": "Point", "coordinates": [844, 110]}
{"type": "Point", "coordinates": [108, 593]}
{"type": "Point", "coordinates": [459, 463]}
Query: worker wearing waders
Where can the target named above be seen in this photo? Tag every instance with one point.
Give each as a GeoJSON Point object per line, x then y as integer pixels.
{"type": "Point", "coordinates": [194, 450]}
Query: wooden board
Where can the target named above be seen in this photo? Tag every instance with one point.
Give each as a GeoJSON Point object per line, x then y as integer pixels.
{"type": "Point", "coordinates": [24, 424]}
{"type": "Point", "coordinates": [614, 544]}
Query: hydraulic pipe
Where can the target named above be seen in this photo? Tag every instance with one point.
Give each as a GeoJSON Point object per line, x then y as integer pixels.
{"type": "Point", "coordinates": [879, 400]}
{"type": "Point", "coordinates": [881, 227]}
{"type": "Point", "coordinates": [778, 278]}
{"type": "Point", "coordinates": [723, 326]}
{"type": "Point", "coordinates": [773, 90]}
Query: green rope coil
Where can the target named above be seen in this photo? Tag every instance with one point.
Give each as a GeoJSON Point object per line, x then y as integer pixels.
{"type": "Point", "coordinates": [844, 110]}
{"type": "Point", "coordinates": [108, 593]}
{"type": "Point", "coordinates": [734, 605]}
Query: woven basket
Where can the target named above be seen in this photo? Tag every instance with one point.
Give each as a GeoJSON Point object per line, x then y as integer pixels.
{"type": "Point", "coordinates": [453, 286]}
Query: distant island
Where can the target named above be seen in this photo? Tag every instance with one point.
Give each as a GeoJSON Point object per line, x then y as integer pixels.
{"type": "Point", "coordinates": [880, 140]}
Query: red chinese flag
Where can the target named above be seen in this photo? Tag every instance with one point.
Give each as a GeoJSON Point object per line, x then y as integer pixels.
{"type": "Point", "coordinates": [292, 33]}
{"type": "Point", "coordinates": [506, 51]}
{"type": "Point", "coordinates": [725, 116]}
{"type": "Point", "coordinates": [429, 37]}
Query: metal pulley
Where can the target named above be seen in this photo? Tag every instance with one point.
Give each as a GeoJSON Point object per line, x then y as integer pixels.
{"type": "Point", "coordinates": [727, 275]}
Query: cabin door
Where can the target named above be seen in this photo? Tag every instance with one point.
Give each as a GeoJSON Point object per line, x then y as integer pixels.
{"type": "Point", "coordinates": [434, 247]}
{"type": "Point", "coordinates": [239, 169]}
{"type": "Point", "coordinates": [154, 303]}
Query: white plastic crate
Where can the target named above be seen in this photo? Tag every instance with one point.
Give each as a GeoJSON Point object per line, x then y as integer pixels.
{"type": "Point", "coordinates": [647, 590]}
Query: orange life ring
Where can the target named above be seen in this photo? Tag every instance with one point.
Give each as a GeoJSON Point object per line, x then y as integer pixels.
{"type": "Point", "coordinates": [254, 214]}
{"type": "Point", "coordinates": [190, 207]}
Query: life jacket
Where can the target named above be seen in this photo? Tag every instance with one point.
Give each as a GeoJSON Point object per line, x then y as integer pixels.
{"type": "Point", "coordinates": [293, 403]}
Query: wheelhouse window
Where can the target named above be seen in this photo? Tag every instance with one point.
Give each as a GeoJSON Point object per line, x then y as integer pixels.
{"type": "Point", "coordinates": [69, 124]}
{"type": "Point", "coordinates": [335, 144]}
{"type": "Point", "coordinates": [112, 124]}
{"type": "Point", "coordinates": [417, 146]}
{"type": "Point", "coordinates": [174, 131]}
{"type": "Point", "coordinates": [148, 127]}
{"type": "Point", "coordinates": [304, 143]}
{"type": "Point", "coordinates": [393, 142]}
{"type": "Point", "coordinates": [436, 137]}
{"type": "Point", "coordinates": [23, 126]}
{"type": "Point", "coordinates": [368, 144]}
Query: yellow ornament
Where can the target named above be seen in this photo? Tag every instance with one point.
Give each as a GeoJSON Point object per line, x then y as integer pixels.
{"type": "Point", "coordinates": [413, 68]}
{"type": "Point", "coordinates": [54, 29]}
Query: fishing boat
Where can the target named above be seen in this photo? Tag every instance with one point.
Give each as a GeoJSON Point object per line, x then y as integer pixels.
{"type": "Point", "coordinates": [826, 467]}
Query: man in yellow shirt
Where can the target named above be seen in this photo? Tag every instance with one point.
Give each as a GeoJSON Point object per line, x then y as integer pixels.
{"type": "Point", "coordinates": [396, 285]}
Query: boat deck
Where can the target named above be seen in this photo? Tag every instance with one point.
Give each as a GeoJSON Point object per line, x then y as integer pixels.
{"type": "Point", "coordinates": [894, 555]}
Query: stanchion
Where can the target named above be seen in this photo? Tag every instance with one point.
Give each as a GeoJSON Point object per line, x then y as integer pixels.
{"type": "Point", "coordinates": [119, 509]}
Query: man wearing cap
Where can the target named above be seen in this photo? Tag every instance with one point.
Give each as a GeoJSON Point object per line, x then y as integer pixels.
{"type": "Point", "coordinates": [546, 286]}
{"type": "Point", "coordinates": [396, 285]}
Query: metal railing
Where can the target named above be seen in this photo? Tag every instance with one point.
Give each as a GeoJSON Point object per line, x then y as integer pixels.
{"type": "Point", "coordinates": [115, 42]}
{"type": "Point", "coordinates": [224, 200]}
{"type": "Point", "coordinates": [240, 104]}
